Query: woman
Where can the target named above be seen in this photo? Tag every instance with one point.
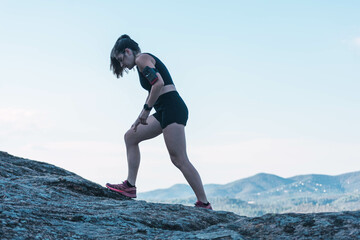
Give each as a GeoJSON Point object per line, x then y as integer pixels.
{"type": "Point", "coordinates": [170, 117]}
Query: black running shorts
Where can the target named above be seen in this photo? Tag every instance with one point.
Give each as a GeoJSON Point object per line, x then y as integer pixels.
{"type": "Point", "coordinates": [170, 108]}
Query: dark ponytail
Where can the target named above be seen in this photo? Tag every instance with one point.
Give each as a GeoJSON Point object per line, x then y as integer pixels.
{"type": "Point", "coordinates": [124, 41]}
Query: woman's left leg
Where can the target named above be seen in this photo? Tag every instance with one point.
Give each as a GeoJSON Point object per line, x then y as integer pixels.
{"type": "Point", "coordinates": [174, 136]}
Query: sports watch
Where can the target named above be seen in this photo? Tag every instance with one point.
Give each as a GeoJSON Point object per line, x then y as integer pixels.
{"type": "Point", "coordinates": [146, 107]}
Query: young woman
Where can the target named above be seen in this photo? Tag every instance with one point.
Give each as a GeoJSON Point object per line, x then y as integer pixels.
{"type": "Point", "coordinates": [169, 119]}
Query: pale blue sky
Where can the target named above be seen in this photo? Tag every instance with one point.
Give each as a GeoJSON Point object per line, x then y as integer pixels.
{"type": "Point", "coordinates": [272, 86]}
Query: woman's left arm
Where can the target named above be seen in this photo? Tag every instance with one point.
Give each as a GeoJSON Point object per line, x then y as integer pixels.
{"type": "Point", "coordinates": [146, 61]}
{"type": "Point", "coordinates": [155, 91]}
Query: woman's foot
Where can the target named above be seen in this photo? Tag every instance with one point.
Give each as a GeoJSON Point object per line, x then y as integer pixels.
{"type": "Point", "coordinates": [200, 204]}
{"type": "Point", "coordinates": [124, 188]}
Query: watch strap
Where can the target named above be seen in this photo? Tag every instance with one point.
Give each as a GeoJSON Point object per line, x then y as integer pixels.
{"type": "Point", "coordinates": [146, 107]}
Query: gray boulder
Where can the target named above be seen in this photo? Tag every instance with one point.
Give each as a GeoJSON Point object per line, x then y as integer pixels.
{"type": "Point", "coordinates": [41, 201]}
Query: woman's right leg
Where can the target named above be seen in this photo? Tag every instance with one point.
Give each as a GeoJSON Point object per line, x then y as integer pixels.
{"type": "Point", "coordinates": [132, 140]}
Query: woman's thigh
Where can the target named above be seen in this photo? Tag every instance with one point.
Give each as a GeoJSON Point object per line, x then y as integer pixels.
{"type": "Point", "coordinates": [174, 136]}
{"type": "Point", "coordinates": [144, 132]}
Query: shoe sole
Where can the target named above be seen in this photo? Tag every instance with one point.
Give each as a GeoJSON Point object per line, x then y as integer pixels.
{"type": "Point", "coordinates": [126, 194]}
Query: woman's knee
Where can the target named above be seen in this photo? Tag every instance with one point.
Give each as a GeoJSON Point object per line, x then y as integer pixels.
{"type": "Point", "coordinates": [177, 163]}
{"type": "Point", "coordinates": [130, 138]}
{"type": "Point", "coordinates": [179, 160]}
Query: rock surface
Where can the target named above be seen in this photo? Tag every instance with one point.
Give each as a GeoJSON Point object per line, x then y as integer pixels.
{"type": "Point", "coordinates": [41, 201]}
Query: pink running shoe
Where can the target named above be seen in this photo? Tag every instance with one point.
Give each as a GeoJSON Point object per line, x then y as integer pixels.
{"type": "Point", "coordinates": [123, 189]}
{"type": "Point", "coordinates": [200, 204]}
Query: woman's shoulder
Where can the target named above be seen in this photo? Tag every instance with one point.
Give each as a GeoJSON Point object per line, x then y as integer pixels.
{"type": "Point", "coordinates": [145, 59]}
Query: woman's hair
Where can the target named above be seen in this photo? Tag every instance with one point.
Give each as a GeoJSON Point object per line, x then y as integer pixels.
{"type": "Point", "coordinates": [124, 41]}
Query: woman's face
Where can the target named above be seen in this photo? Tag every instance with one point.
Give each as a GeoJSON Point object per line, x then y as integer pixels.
{"type": "Point", "coordinates": [126, 59]}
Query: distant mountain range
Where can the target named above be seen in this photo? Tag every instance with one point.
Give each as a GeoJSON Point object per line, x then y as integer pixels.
{"type": "Point", "coordinates": [264, 193]}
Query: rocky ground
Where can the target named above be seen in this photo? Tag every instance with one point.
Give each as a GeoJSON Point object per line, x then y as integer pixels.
{"type": "Point", "coordinates": [41, 201]}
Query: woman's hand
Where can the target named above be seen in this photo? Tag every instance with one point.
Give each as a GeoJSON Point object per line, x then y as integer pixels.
{"type": "Point", "coordinates": [141, 119]}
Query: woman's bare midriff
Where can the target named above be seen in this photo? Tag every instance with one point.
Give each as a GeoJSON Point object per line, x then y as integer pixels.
{"type": "Point", "coordinates": [167, 88]}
